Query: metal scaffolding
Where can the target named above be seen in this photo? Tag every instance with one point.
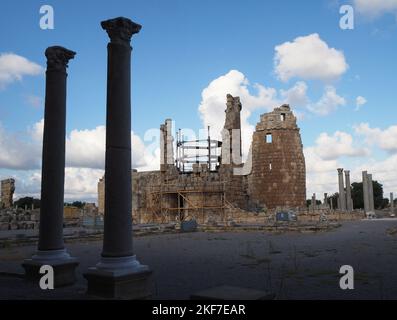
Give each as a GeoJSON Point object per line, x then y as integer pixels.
{"type": "Point", "coordinates": [206, 152]}
{"type": "Point", "coordinates": [171, 202]}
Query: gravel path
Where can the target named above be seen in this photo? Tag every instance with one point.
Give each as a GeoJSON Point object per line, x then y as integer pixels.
{"type": "Point", "coordinates": [292, 265]}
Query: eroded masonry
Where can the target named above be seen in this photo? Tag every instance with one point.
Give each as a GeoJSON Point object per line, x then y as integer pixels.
{"type": "Point", "coordinates": [207, 180]}
{"type": "Point", "coordinates": [7, 193]}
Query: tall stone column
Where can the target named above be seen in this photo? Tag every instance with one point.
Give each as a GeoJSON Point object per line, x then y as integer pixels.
{"type": "Point", "coordinates": [365, 192]}
{"type": "Point", "coordinates": [51, 249]}
{"type": "Point", "coordinates": [342, 198]}
{"type": "Point", "coordinates": [349, 202]}
{"type": "Point", "coordinates": [371, 193]}
{"type": "Point", "coordinates": [118, 273]}
{"type": "Point", "coordinates": [391, 203]}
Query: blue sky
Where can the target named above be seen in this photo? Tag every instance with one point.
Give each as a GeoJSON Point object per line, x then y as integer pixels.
{"type": "Point", "coordinates": [183, 47]}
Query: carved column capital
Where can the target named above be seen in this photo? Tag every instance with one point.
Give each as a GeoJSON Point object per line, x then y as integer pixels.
{"type": "Point", "coordinates": [120, 30]}
{"type": "Point", "coordinates": [58, 58]}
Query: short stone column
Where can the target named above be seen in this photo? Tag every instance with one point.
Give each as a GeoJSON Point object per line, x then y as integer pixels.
{"type": "Point", "coordinates": [51, 249]}
{"type": "Point", "coordinates": [391, 203]}
{"type": "Point", "coordinates": [371, 193]}
{"type": "Point", "coordinates": [342, 198]}
{"type": "Point", "coordinates": [326, 200]}
{"type": "Point", "coordinates": [349, 202]}
{"type": "Point", "coordinates": [366, 192]}
{"type": "Point", "coordinates": [118, 274]}
{"type": "Point", "coordinates": [313, 203]}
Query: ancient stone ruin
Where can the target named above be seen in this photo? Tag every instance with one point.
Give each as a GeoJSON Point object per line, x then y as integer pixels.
{"type": "Point", "coordinates": [209, 186]}
{"type": "Point", "coordinates": [7, 193]}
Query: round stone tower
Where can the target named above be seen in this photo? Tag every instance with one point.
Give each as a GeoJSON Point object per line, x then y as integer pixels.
{"type": "Point", "coordinates": [278, 176]}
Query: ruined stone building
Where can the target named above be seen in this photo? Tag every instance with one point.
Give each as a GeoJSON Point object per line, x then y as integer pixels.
{"type": "Point", "coordinates": [7, 193]}
{"type": "Point", "coordinates": [206, 185]}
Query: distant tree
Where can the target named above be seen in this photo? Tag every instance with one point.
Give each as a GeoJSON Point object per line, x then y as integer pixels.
{"type": "Point", "coordinates": [309, 202]}
{"type": "Point", "coordinates": [385, 203]}
{"type": "Point", "coordinates": [78, 204]}
{"type": "Point", "coordinates": [358, 195]}
{"type": "Point", "coordinates": [28, 201]}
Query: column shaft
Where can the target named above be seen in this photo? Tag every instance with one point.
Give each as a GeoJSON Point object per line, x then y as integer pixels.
{"type": "Point", "coordinates": [371, 193]}
{"type": "Point", "coordinates": [365, 192]}
{"type": "Point", "coordinates": [342, 197]}
{"type": "Point", "coordinates": [53, 156]}
{"type": "Point", "coordinates": [349, 204]}
{"type": "Point", "coordinates": [313, 201]}
{"type": "Point", "coordinates": [117, 241]}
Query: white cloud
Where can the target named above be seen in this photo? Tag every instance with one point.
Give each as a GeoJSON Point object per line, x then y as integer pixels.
{"type": "Point", "coordinates": [321, 174]}
{"type": "Point", "coordinates": [384, 139]}
{"type": "Point", "coordinates": [308, 57]}
{"type": "Point", "coordinates": [360, 101]}
{"type": "Point", "coordinates": [338, 145]}
{"type": "Point", "coordinates": [329, 102]}
{"type": "Point", "coordinates": [375, 8]}
{"type": "Point", "coordinates": [297, 95]}
{"type": "Point", "coordinates": [17, 152]}
{"type": "Point", "coordinates": [14, 67]}
{"type": "Point", "coordinates": [315, 163]}
{"type": "Point", "coordinates": [323, 159]}
{"type": "Point", "coordinates": [81, 183]}
{"type": "Point", "coordinates": [86, 148]}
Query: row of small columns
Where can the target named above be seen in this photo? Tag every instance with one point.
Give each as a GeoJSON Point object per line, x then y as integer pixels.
{"type": "Point", "coordinates": [345, 202]}
{"type": "Point", "coordinates": [118, 274]}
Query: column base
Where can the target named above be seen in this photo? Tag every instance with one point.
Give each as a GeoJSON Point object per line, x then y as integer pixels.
{"type": "Point", "coordinates": [119, 278]}
{"type": "Point", "coordinates": [63, 264]}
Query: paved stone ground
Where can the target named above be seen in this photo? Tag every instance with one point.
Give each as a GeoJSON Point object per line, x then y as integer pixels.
{"type": "Point", "coordinates": [292, 265]}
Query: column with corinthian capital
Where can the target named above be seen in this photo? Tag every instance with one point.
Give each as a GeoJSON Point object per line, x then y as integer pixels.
{"type": "Point", "coordinates": [118, 273]}
{"type": "Point", "coordinates": [51, 249]}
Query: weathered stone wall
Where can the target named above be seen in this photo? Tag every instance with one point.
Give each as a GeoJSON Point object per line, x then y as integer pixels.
{"type": "Point", "coordinates": [235, 187]}
{"type": "Point", "coordinates": [19, 219]}
{"type": "Point", "coordinates": [278, 175]}
{"type": "Point", "coordinates": [7, 192]}
{"type": "Point", "coordinates": [143, 184]}
{"type": "Point", "coordinates": [330, 215]}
